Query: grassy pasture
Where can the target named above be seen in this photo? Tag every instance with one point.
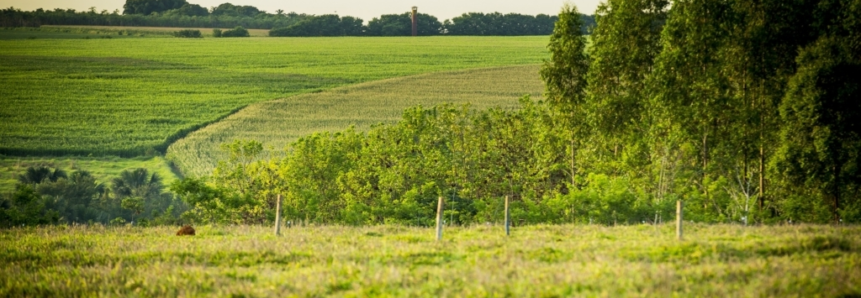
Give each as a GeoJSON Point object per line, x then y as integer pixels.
{"type": "Point", "coordinates": [278, 122]}
{"type": "Point", "coordinates": [130, 97]}
{"type": "Point", "coordinates": [103, 168]}
{"type": "Point", "coordinates": [536, 261]}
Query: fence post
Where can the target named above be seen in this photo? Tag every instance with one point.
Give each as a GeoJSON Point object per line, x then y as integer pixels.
{"type": "Point", "coordinates": [679, 218]}
{"type": "Point", "coordinates": [278, 216]}
{"type": "Point", "coordinates": [507, 218]}
{"type": "Point", "coordinates": [439, 219]}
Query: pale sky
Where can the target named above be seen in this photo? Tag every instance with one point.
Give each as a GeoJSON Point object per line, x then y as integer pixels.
{"type": "Point", "coordinates": [366, 10]}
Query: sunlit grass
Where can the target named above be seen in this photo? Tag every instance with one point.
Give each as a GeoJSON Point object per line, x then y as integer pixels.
{"type": "Point", "coordinates": [536, 261]}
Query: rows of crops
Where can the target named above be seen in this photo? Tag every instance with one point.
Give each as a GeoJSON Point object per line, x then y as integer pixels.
{"type": "Point", "coordinates": [276, 123]}
{"type": "Point", "coordinates": [536, 261]}
{"type": "Point", "coordinates": [130, 97]}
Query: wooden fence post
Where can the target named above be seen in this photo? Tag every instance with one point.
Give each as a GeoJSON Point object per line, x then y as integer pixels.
{"type": "Point", "coordinates": [439, 219]}
{"type": "Point", "coordinates": [679, 218]}
{"type": "Point", "coordinates": [507, 218]}
{"type": "Point", "coordinates": [278, 216]}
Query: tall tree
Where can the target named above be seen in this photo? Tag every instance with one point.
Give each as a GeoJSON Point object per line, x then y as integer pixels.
{"type": "Point", "coordinates": [624, 46]}
{"type": "Point", "coordinates": [688, 90]}
{"type": "Point", "coordinates": [564, 77]}
{"type": "Point", "coordinates": [821, 136]}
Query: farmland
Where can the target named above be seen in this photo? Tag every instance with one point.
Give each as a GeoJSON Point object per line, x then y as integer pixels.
{"type": "Point", "coordinates": [131, 97]}
{"type": "Point", "coordinates": [276, 123]}
{"type": "Point", "coordinates": [542, 261]}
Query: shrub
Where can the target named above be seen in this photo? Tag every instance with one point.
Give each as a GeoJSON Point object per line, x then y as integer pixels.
{"type": "Point", "coordinates": [188, 33]}
{"type": "Point", "coordinates": [236, 32]}
{"type": "Point", "coordinates": [216, 32]}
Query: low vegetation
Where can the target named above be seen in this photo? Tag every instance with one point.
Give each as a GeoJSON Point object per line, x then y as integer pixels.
{"type": "Point", "coordinates": [46, 195]}
{"type": "Point", "coordinates": [103, 168]}
{"type": "Point", "coordinates": [478, 261]}
{"type": "Point", "coordinates": [188, 33]}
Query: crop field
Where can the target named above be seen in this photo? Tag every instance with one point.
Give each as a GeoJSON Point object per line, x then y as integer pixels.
{"type": "Point", "coordinates": [276, 123]}
{"type": "Point", "coordinates": [206, 32]}
{"type": "Point", "coordinates": [132, 97]}
{"type": "Point", "coordinates": [80, 32]}
{"type": "Point", "coordinates": [535, 261]}
{"type": "Point", "coordinates": [103, 168]}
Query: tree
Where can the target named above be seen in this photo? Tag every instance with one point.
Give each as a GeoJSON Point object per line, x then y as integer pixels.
{"type": "Point", "coordinates": [236, 32]}
{"type": "Point", "coordinates": [146, 7]}
{"type": "Point", "coordinates": [193, 10]}
{"type": "Point", "coordinates": [401, 25]}
{"type": "Point", "coordinates": [821, 136]}
{"type": "Point", "coordinates": [689, 95]}
{"type": "Point", "coordinates": [26, 207]}
{"type": "Point", "coordinates": [74, 197]}
{"type": "Point", "coordinates": [564, 77]}
{"type": "Point", "coordinates": [227, 9]}
{"type": "Point", "coordinates": [324, 25]}
{"type": "Point", "coordinates": [36, 175]}
{"type": "Point", "coordinates": [143, 190]}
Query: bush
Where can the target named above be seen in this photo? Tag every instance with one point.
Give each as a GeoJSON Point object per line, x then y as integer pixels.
{"type": "Point", "coordinates": [236, 32]}
{"type": "Point", "coordinates": [188, 33]}
{"type": "Point", "coordinates": [216, 32]}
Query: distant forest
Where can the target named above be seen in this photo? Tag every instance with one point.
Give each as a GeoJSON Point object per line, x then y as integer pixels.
{"type": "Point", "coordinates": [179, 13]}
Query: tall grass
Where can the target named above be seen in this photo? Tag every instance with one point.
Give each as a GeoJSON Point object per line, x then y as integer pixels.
{"type": "Point", "coordinates": [536, 261]}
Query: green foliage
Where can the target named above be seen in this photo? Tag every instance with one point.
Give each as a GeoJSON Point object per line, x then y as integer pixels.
{"type": "Point", "coordinates": [401, 25]}
{"type": "Point", "coordinates": [79, 198]}
{"type": "Point", "coordinates": [239, 31]}
{"type": "Point", "coordinates": [189, 33]}
{"type": "Point", "coordinates": [395, 173]}
{"type": "Point", "coordinates": [323, 25]}
{"type": "Point", "coordinates": [822, 140]}
{"type": "Point", "coordinates": [216, 32]}
{"type": "Point", "coordinates": [235, 10]}
{"type": "Point", "coordinates": [565, 73]}
{"type": "Point", "coordinates": [476, 23]}
{"type": "Point", "coordinates": [25, 207]}
{"type": "Point", "coordinates": [146, 7]}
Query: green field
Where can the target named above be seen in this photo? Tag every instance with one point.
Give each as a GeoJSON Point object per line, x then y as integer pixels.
{"type": "Point", "coordinates": [132, 97]}
{"type": "Point", "coordinates": [276, 123]}
{"type": "Point", "coordinates": [536, 261]}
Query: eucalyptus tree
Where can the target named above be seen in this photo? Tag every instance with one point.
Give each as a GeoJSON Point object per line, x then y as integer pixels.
{"type": "Point", "coordinates": [564, 76]}
{"type": "Point", "coordinates": [624, 46]}
{"type": "Point", "coordinates": [820, 139]}
{"type": "Point", "coordinates": [688, 91]}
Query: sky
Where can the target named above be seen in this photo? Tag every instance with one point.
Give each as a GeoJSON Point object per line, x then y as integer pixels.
{"type": "Point", "coordinates": [366, 10]}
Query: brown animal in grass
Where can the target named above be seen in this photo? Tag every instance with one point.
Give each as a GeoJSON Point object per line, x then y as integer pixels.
{"type": "Point", "coordinates": [185, 230]}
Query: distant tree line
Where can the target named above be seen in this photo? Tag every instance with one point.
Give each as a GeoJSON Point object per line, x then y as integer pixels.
{"type": "Point", "coordinates": [179, 13]}
{"type": "Point", "coordinates": [49, 196]}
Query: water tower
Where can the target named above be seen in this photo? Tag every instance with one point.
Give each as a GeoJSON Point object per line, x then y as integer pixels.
{"type": "Point", "coordinates": [415, 22]}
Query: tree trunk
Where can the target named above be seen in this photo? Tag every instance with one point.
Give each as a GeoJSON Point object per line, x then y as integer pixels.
{"type": "Point", "coordinates": [836, 210]}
